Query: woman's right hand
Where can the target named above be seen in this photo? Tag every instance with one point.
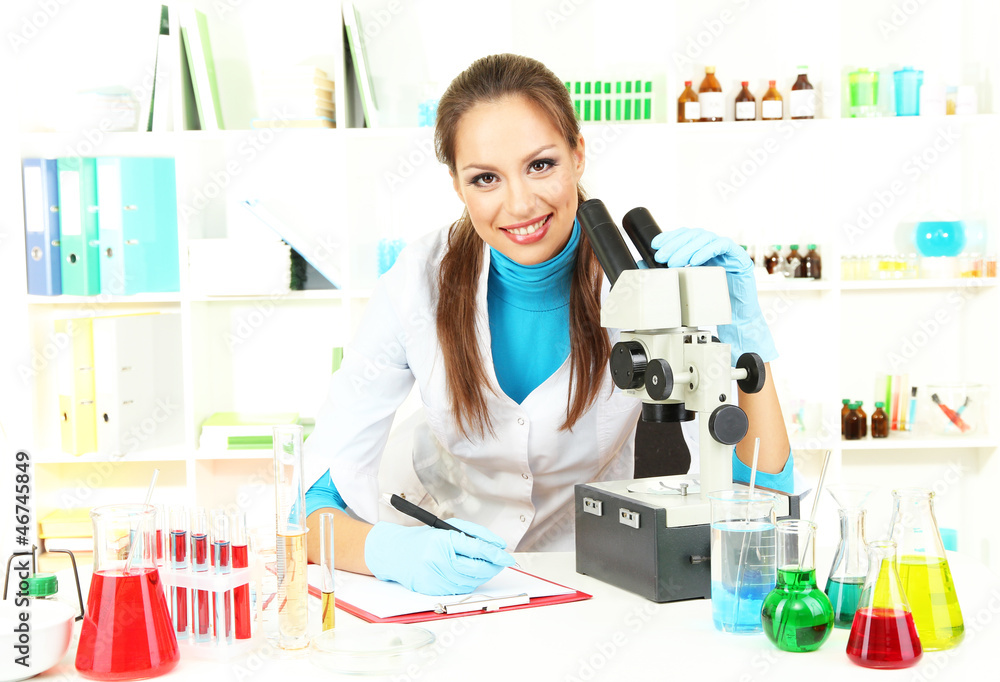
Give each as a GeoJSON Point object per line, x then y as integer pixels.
{"type": "Point", "coordinates": [434, 561]}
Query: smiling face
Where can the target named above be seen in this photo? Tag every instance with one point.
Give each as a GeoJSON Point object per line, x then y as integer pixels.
{"type": "Point", "coordinates": [517, 176]}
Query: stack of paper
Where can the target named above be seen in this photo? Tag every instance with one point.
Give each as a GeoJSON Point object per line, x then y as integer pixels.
{"type": "Point", "coordinates": [67, 529]}
{"type": "Point", "coordinates": [239, 267]}
{"type": "Point", "coordinates": [295, 97]}
{"type": "Point", "coordinates": [241, 430]}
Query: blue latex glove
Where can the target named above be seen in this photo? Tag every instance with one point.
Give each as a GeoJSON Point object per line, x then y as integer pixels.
{"type": "Point", "coordinates": [434, 561]}
{"type": "Point", "coordinates": [748, 332]}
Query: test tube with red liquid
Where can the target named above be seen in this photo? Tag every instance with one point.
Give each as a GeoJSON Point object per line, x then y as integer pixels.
{"type": "Point", "coordinates": [199, 564]}
{"type": "Point", "coordinates": [178, 562]}
{"type": "Point", "coordinates": [222, 557]}
{"type": "Point", "coordinates": [162, 533]}
{"type": "Point", "coordinates": [241, 559]}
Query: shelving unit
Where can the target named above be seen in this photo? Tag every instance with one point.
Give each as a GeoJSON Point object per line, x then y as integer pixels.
{"type": "Point", "coordinates": [759, 183]}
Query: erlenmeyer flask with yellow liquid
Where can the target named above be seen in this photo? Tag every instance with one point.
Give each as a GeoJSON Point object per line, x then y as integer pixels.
{"type": "Point", "coordinates": [924, 571]}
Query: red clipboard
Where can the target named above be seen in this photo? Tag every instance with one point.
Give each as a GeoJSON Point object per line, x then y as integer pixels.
{"type": "Point", "coordinates": [423, 616]}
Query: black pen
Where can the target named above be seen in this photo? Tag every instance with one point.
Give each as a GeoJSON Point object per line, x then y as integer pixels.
{"type": "Point", "coordinates": [423, 515]}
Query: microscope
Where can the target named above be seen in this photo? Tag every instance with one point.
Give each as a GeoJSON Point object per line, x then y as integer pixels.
{"type": "Point", "coordinates": [652, 536]}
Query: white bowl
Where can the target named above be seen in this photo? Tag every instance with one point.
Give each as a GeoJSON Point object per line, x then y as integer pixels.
{"type": "Point", "coordinates": [51, 624]}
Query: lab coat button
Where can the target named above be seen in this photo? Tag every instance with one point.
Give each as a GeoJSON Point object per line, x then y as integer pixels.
{"type": "Point", "coordinates": [520, 420]}
{"type": "Point", "coordinates": [525, 476]}
{"type": "Point", "coordinates": [523, 519]}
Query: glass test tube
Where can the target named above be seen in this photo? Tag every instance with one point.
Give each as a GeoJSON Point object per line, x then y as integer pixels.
{"type": "Point", "coordinates": [162, 533]}
{"type": "Point", "coordinates": [241, 559]}
{"type": "Point", "coordinates": [222, 556]}
{"type": "Point", "coordinates": [290, 545]}
{"type": "Point", "coordinates": [327, 568]}
{"type": "Point", "coordinates": [178, 562]}
{"type": "Point", "coordinates": [199, 563]}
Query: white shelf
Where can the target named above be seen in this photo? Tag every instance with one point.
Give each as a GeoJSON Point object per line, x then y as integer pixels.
{"type": "Point", "coordinates": [175, 453]}
{"type": "Point", "coordinates": [897, 441]}
{"type": "Point", "coordinates": [104, 299]}
{"type": "Point", "coordinates": [903, 284]}
{"type": "Point", "coordinates": [307, 295]}
{"type": "Point", "coordinates": [794, 285]}
{"type": "Point", "coordinates": [264, 453]}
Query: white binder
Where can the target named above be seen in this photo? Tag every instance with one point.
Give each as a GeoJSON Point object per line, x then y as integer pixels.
{"type": "Point", "coordinates": [138, 379]}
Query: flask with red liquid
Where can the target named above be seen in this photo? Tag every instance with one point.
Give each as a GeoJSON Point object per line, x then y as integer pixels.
{"type": "Point", "coordinates": [127, 633]}
{"type": "Point", "coordinates": [883, 634]}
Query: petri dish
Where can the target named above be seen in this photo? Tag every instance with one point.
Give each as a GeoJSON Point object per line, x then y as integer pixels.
{"type": "Point", "coordinates": [382, 649]}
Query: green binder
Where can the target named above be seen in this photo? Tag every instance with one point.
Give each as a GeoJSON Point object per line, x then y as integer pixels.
{"type": "Point", "coordinates": [78, 226]}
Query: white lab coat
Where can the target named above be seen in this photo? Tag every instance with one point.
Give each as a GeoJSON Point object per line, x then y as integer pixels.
{"type": "Point", "coordinates": [519, 484]}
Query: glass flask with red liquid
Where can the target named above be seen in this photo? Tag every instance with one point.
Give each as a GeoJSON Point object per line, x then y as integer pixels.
{"type": "Point", "coordinates": [883, 634]}
{"type": "Point", "coordinates": [127, 633]}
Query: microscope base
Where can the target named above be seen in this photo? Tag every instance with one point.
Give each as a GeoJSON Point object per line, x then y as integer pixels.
{"type": "Point", "coordinates": [625, 541]}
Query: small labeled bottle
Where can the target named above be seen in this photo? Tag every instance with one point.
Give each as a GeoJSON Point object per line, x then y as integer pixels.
{"type": "Point", "coordinates": [688, 109]}
{"type": "Point", "coordinates": [864, 419]}
{"type": "Point", "coordinates": [852, 424]}
{"type": "Point", "coordinates": [773, 262]}
{"type": "Point", "coordinates": [812, 264]}
{"type": "Point", "coordinates": [746, 105]}
{"type": "Point", "coordinates": [803, 98]}
{"type": "Point", "coordinates": [771, 105]}
{"type": "Point", "coordinates": [880, 422]}
{"type": "Point", "coordinates": [794, 255]}
{"type": "Point", "coordinates": [710, 97]}
{"type": "Point", "coordinates": [843, 413]}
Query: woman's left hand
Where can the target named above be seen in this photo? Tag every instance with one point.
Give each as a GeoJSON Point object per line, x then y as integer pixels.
{"type": "Point", "coordinates": [748, 331]}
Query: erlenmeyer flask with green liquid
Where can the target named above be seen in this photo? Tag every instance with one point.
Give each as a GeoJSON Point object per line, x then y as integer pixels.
{"type": "Point", "coordinates": [923, 569]}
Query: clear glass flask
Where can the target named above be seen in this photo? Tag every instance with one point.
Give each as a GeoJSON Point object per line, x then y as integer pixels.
{"type": "Point", "coordinates": [923, 568]}
{"type": "Point", "coordinates": [127, 633]}
{"type": "Point", "coordinates": [850, 561]}
{"type": "Point", "coordinates": [743, 560]}
{"type": "Point", "coordinates": [290, 543]}
{"type": "Point", "coordinates": [797, 615]}
{"type": "Point", "coordinates": [883, 634]}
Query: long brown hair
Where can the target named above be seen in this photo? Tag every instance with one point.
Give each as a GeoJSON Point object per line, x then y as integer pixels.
{"type": "Point", "coordinates": [487, 80]}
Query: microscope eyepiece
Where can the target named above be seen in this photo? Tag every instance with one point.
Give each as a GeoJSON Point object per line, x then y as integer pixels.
{"type": "Point", "coordinates": [605, 239]}
{"type": "Point", "coordinates": [641, 228]}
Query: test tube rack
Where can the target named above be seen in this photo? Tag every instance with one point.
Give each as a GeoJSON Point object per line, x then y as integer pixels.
{"type": "Point", "coordinates": [217, 645]}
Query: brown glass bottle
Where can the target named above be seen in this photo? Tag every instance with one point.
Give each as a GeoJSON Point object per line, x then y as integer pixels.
{"type": "Point", "coordinates": [864, 419]}
{"type": "Point", "coordinates": [794, 253]}
{"type": "Point", "coordinates": [688, 110]}
{"type": "Point", "coordinates": [802, 101]}
{"type": "Point", "coordinates": [710, 97]}
{"type": "Point", "coordinates": [773, 260]}
{"type": "Point", "coordinates": [852, 424]}
{"type": "Point", "coordinates": [843, 413]}
{"type": "Point", "coordinates": [880, 422]}
{"type": "Point", "coordinates": [812, 264]}
{"type": "Point", "coordinates": [771, 104]}
{"type": "Point", "coordinates": [746, 105]}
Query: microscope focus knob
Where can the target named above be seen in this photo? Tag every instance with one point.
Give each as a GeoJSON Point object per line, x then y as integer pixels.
{"type": "Point", "coordinates": [659, 379]}
{"type": "Point", "coordinates": [756, 376]}
{"type": "Point", "coordinates": [628, 364]}
{"type": "Point", "coordinates": [728, 424]}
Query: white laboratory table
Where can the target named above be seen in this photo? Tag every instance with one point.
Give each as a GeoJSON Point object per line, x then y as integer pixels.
{"type": "Point", "coordinates": [622, 637]}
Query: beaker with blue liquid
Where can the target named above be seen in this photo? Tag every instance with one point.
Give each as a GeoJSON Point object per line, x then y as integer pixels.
{"type": "Point", "coordinates": [744, 560]}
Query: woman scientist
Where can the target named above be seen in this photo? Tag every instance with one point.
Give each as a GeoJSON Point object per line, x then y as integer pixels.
{"type": "Point", "coordinates": [497, 320]}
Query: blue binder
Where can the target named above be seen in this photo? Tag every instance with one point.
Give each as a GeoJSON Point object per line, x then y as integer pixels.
{"type": "Point", "coordinates": [138, 230]}
{"type": "Point", "coordinates": [41, 226]}
{"type": "Point", "coordinates": [78, 242]}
